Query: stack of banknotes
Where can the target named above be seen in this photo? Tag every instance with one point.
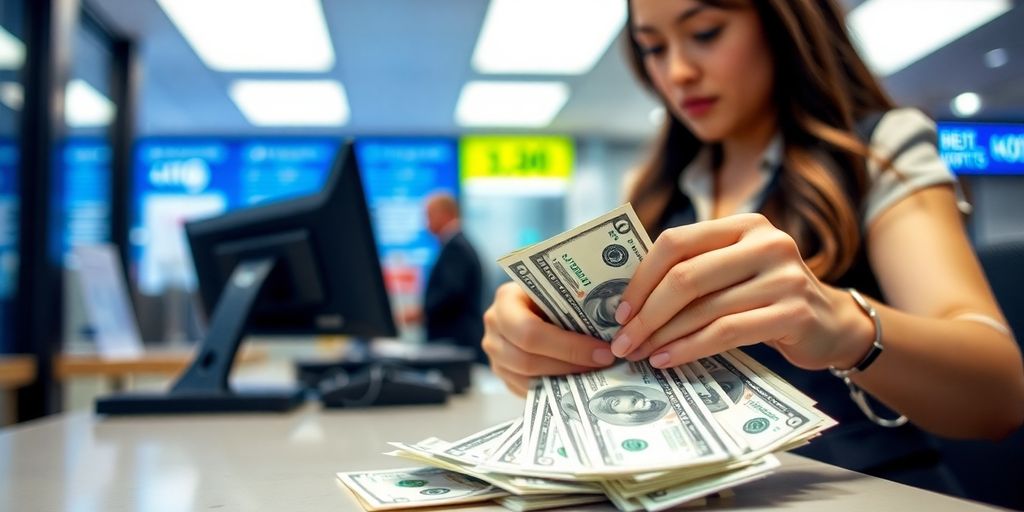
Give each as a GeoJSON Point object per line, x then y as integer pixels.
{"type": "Point", "coordinates": [643, 438]}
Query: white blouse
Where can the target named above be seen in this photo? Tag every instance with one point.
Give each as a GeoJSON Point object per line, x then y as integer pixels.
{"type": "Point", "coordinates": [906, 133]}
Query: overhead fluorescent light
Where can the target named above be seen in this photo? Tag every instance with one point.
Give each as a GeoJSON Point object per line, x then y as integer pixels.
{"type": "Point", "coordinates": [512, 104]}
{"type": "Point", "coordinates": [564, 37]}
{"type": "Point", "coordinates": [966, 104]}
{"type": "Point", "coordinates": [255, 35]}
{"type": "Point", "coordinates": [12, 51]}
{"type": "Point", "coordinates": [997, 58]}
{"type": "Point", "coordinates": [12, 94]}
{"type": "Point", "coordinates": [892, 34]}
{"type": "Point", "coordinates": [291, 102]}
{"type": "Point", "coordinates": [85, 107]}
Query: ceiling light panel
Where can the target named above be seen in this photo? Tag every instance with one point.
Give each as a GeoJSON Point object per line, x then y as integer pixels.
{"type": "Point", "coordinates": [564, 37]}
{"type": "Point", "coordinates": [85, 107]}
{"type": "Point", "coordinates": [510, 104]}
{"type": "Point", "coordinates": [12, 95]}
{"type": "Point", "coordinates": [12, 51]}
{"type": "Point", "coordinates": [890, 41]}
{"type": "Point", "coordinates": [291, 102]}
{"type": "Point", "coordinates": [255, 35]}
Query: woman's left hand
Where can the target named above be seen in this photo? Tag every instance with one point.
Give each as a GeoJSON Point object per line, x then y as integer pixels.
{"type": "Point", "coordinates": [717, 285]}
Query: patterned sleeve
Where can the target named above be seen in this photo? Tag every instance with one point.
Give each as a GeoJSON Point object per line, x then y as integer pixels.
{"type": "Point", "coordinates": [908, 137]}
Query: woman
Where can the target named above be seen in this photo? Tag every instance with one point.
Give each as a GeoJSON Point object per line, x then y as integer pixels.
{"type": "Point", "coordinates": [803, 181]}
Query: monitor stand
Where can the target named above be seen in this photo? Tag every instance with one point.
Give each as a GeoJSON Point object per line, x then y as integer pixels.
{"type": "Point", "coordinates": [204, 386]}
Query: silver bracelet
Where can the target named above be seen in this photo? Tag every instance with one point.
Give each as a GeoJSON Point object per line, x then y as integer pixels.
{"type": "Point", "coordinates": [856, 393]}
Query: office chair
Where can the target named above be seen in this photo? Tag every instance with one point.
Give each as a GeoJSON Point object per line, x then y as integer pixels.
{"type": "Point", "coordinates": [1004, 265]}
{"type": "Point", "coordinates": [991, 471]}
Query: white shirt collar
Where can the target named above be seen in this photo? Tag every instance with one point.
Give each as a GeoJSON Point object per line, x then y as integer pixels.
{"type": "Point", "coordinates": [697, 181]}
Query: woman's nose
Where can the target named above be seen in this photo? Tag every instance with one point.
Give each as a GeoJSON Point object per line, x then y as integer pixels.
{"type": "Point", "coordinates": [682, 69]}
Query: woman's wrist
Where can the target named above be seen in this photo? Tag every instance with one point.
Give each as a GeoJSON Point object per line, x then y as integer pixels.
{"type": "Point", "coordinates": [856, 331]}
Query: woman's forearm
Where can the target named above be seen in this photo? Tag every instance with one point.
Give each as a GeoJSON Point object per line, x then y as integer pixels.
{"type": "Point", "coordinates": [955, 378]}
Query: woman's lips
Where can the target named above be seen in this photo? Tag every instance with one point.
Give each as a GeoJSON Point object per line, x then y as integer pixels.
{"type": "Point", "coordinates": [697, 107]}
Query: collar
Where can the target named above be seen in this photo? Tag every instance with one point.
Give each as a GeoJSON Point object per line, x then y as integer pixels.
{"type": "Point", "coordinates": [697, 180]}
{"type": "Point", "coordinates": [449, 231]}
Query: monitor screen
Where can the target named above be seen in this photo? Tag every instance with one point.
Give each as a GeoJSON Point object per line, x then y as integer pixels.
{"type": "Point", "coordinates": [974, 148]}
{"type": "Point", "coordinates": [325, 274]}
{"type": "Point", "coordinates": [180, 178]}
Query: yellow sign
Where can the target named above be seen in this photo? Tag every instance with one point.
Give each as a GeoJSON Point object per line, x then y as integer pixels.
{"type": "Point", "coordinates": [511, 156]}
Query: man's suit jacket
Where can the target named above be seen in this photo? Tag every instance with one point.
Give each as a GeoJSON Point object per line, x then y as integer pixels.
{"type": "Point", "coordinates": [453, 305]}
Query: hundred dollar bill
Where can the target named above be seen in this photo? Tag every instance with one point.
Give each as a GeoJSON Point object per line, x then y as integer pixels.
{"type": "Point", "coordinates": [566, 418]}
{"type": "Point", "coordinates": [508, 453]}
{"type": "Point", "coordinates": [773, 378]}
{"type": "Point", "coordinates": [713, 398]}
{"type": "Point", "coordinates": [475, 448]}
{"type": "Point", "coordinates": [548, 449]}
{"type": "Point", "coordinates": [766, 417]}
{"type": "Point", "coordinates": [546, 501]}
{"type": "Point", "coordinates": [687, 393]}
{"type": "Point", "coordinates": [416, 487]}
{"type": "Point", "coordinates": [633, 422]}
{"type": "Point", "coordinates": [532, 408]}
{"type": "Point", "coordinates": [577, 278]}
{"type": "Point", "coordinates": [689, 491]}
{"type": "Point", "coordinates": [424, 452]}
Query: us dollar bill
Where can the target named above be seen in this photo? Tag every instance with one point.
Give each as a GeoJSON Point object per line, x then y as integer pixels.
{"type": "Point", "coordinates": [683, 493]}
{"type": "Point", "coordinates": [566, 418]}
{"type": "Point", "coordinates": [548, 449]}
{"type": "Point", "coordinates": [532, 408]}
{"type": "Point", "coordinates": [764, 416]}
{"type": "Point", "coordinates": [542, 502]}
{"type": "Point", "coordinates": [425, 451]}
{"type": "Point", "coordinates": [577, 278]}
{"type": "Point", "coordinates": [475, 448]}
{"type": "Point", "coordinates": [634, 421]}
{"type": "Point", "coordinates": [416, 487]}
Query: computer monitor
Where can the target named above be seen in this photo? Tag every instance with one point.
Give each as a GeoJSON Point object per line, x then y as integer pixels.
{"type": "Point", "coordinates": [303, 266]}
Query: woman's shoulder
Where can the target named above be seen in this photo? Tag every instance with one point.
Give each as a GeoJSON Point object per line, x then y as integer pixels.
{"type": "Point", "coordinates": [904, 159]}
{"type": "Point", "coordinates": [898, 126]}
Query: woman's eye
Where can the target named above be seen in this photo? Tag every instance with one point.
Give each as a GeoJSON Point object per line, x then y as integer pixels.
{"type": "Point", "coordinates": [707, 35]}
{"type": "Point", "coordinates": [651, 50]}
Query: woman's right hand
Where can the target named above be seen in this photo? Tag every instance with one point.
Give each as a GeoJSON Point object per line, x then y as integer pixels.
{"type": "Point", "coordinates": [522, 345]}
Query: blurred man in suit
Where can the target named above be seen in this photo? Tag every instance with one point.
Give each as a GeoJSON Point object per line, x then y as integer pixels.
{"type": "Point", "coordinates": [452, 303]}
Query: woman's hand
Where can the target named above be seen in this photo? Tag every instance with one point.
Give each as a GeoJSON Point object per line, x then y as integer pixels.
{"type": "Point", "coordinates": [521, 345]}
{"type": "Point", "coordinates": [713, 286]}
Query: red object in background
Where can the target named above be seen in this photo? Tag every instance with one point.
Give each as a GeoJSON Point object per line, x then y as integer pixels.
{"type": "Point", "coordinates": [402, 279]}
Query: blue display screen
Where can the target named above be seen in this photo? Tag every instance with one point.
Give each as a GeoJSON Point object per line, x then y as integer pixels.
{"type": "Point", "coordinates": [182, 179]}
{"type": "Point", "coordinates": [398, 175]}
{"type": "Point", "coordinates": [8, 218]}
{"type": "Point", "coordinates": [85, 194]}
{"type": "Point", "coordinates": [982, 148]}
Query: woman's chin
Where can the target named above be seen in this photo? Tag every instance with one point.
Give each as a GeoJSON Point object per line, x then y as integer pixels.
{"type": "Point", "coordinates": [705, 129]}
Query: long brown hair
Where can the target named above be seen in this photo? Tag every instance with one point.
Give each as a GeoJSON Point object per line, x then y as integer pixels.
{"type": "Point", "coordinates": [821, 89]}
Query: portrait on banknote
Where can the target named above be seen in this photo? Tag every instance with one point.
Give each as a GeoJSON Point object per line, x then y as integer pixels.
{"type": "Point", "coordinates": [568, 407]}
{"type": "Point", "coordinates": [628, 405]}
{"type": "Point", "coordinates": [600, 304]}
{"type": "Point", "coordinates": [730, 382]}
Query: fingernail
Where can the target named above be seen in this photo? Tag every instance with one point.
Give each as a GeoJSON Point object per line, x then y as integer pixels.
{"type": "Point", "coordinates": [603, 356]}
{"type": "Point", "coordinates": [622, 312]}
{"type": "Point", "coordinates": [659, 360]}
{"type": "Point", "coordinates": [620, 345]}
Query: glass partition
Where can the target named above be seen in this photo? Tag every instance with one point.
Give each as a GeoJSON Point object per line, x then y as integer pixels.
{"type": "Point", "coordinates": [12, 95]}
